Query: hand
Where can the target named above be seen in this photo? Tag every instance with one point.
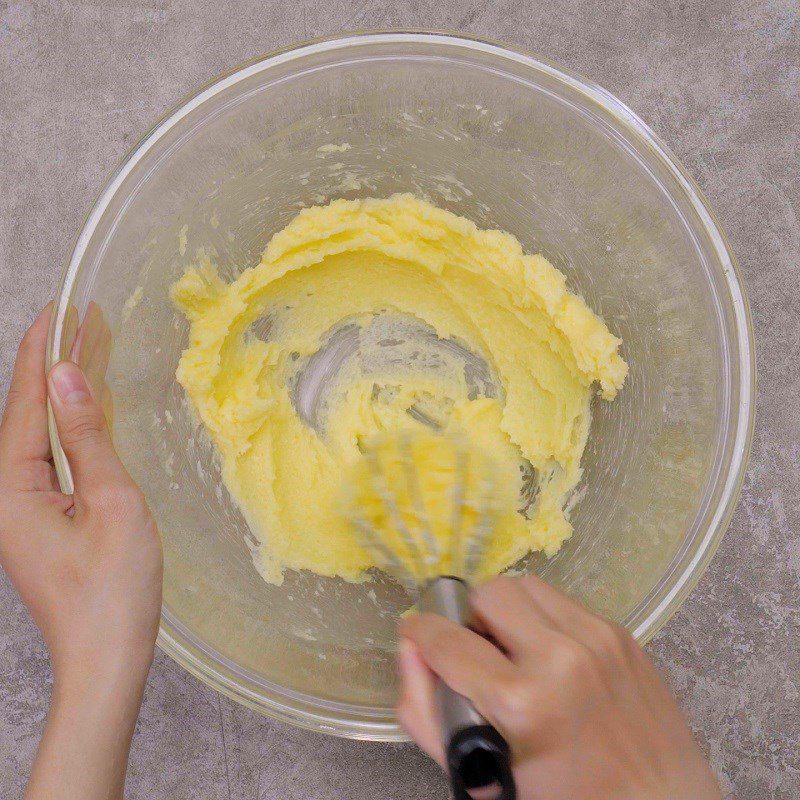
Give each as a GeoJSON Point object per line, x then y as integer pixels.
{"type": "Point", "coordinates": [584, 711]}
{"type": "Point", "coordinates": [88, 567]}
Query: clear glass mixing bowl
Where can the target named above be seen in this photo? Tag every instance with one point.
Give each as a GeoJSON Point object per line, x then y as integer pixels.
{"type": "Point", "coordinates": [510, 142]}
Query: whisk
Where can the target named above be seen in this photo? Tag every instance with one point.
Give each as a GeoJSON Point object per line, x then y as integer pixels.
{"type": "Point", "coordinates": [425, 505]}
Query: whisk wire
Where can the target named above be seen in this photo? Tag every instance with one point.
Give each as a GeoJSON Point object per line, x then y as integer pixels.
{"type": "Point", "coordinates": [381, 486]}
{"type": "Point", "coordinates": [388, 558]}
{"type": "Point", "coordinates": [406, 527]}
{"type": "Point", "coordinates": [418, 504]}
{"type": "Point", "coordinates": [483, 527]}
{"type": "Point", "coordinates": [457, 521]}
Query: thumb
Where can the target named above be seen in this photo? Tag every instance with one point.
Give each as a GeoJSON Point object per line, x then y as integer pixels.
{"type": "Point", "coordinates": [82, 430]}
{"type": "Point", "coordinates": [417, 709]}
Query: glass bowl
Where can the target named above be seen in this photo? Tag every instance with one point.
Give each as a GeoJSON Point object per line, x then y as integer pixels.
{"type": "Point", "coordinates": [509, 141]}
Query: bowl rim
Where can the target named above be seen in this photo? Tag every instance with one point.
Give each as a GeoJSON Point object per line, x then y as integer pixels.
{"type": "Point", "coordinates": [387, 729]}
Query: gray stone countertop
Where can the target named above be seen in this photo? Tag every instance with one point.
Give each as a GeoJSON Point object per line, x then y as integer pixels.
{"type": "Point", "coordinates": [719, 80]}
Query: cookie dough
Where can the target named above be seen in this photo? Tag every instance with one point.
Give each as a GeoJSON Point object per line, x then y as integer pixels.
{"type": "Point", "coordinates": [364, 268]}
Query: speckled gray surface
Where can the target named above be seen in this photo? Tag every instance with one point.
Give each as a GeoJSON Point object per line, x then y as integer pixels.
{"type": "Point", "coordinates": [718, 80]}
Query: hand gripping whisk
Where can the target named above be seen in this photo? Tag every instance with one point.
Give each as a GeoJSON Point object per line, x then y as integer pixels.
{"type": "Point", "coordinates": [425, 506]}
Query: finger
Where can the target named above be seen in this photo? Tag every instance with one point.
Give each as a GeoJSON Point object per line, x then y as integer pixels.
{"type": "Point", "coordinates": [465, 661]}
{"type": "Point", "coordinates": [506, 611]}
{"type": "Point", "coordinates": [92, 348]}
{"type": "Point", "coordinates": [603, 638]}
{"type": "Point", "coordinates": [417, 708]}
{"type": "Point", "coordinates": [569, 615]}
{"type": "Point", "coordinates": [107, 403]}
{"type": "Point", "coordinates": [83, 431]}
{"type": "Point", "coordinates": [23, 432]}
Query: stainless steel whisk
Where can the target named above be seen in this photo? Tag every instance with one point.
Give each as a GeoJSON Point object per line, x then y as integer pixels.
{"type": "Point", "coordinates": [440, 575]}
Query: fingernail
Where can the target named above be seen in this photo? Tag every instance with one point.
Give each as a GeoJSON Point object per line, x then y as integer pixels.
{"type": "Point", "coordinates": [69, 382]}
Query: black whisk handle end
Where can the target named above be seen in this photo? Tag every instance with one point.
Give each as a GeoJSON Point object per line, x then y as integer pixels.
{"type": "Point", "coordinates": [478, 758]}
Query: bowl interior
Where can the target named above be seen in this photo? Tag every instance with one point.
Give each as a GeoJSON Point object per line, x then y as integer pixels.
{"type": "Point", "coordinates": [509, 143]}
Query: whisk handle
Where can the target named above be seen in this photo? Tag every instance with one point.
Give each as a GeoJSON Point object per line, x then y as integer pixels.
{"type": "Point", "coordinates": [477, 755]}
